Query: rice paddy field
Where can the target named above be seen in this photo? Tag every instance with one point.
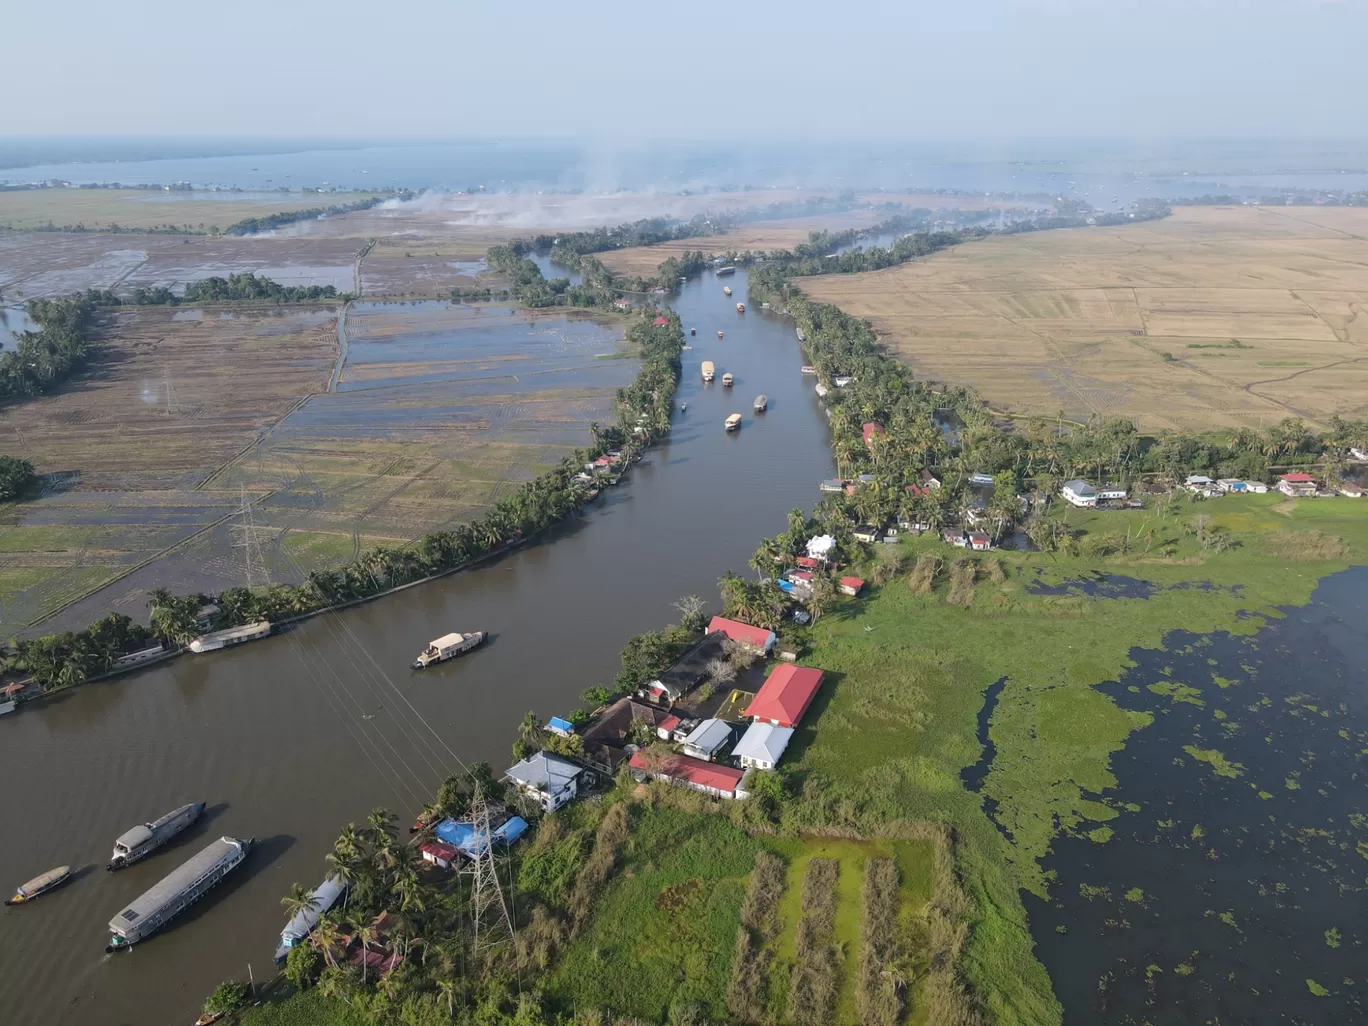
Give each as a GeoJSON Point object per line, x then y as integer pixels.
{"type": "Point", "coordinates": [148, 456]}
{"type": "Point", "coordinates": [1214, 317]}
{"type": "Point", "coordinates": [27, 209]}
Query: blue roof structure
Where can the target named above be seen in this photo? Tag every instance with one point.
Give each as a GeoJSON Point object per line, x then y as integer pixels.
{"type": "Point", "coordinates": [464, 836]}
{"type": "Point", "coordinates": [561, 726]}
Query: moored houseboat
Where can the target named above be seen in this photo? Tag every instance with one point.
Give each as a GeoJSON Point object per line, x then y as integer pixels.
{"type": "Point", "coordinates": [215, 640]}
{"type": "Point", "coordinates": [740, 307]}
{"type": "Point", "coordinates": [145, 838]}
{"type": "Point", "coordinates": [301, 924]}
{"type": "Point", "coordinates": [723, 271]}
{"type": "Point", "coordinates": [726, 290]}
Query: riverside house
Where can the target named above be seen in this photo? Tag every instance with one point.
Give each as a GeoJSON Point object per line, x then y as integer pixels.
{"type": "Point", "coordinates": [785, 696]}
{"type": "Point", "coordinates": [718, 781]}
{"type": "Point", "coordinates": [743, 633]}
{"type": "Point", "coordinates": [762, 745]}
{"type": "Point", "coordinates": [547, 779]}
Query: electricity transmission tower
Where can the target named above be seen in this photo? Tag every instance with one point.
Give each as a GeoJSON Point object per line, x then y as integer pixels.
{"type": "Point", "coordinates": [247, 533]}
{"type": "Point", "coordinates": [488, 909]}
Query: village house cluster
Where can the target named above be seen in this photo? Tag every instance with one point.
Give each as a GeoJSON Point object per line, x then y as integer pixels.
{"type": "Point", "coordinates": [715, 754]}
{"type": "Point", "coordinates": [1295, 484]}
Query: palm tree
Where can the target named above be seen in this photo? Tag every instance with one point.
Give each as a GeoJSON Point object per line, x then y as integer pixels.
{"type": "Point", "coordinates": [367, 934]}
{"type": "Point", "coordinates": [447, 989]}
{"type": "Point", "coordinates": [328, 934]}
{"type": "Point", "coordinates": [299, 901]}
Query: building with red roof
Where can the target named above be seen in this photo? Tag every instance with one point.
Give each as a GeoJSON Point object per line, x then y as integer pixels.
{"type": "Point", "coordinates": [1297, 484]}
{"type": "Point", "coordinates": [708, 777]}
{"type": "Point", "coordinates": [665, 728]}
{"type": "Point", "coordinates": [661, 322]}
{"type": "Point", "coordinates": [851, 585]}
{"type": "Point", "coordinates": [439, 853]}
{"type": "Point", "coordinates": [756, 637]}
{"type": "Point", "coordinates": [872, 430]}
{"type": "Point", "coordinates": [785, 695]}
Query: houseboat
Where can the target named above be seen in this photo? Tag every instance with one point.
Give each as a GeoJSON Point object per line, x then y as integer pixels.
{"type": "Point", "coordinates": [726, 290]}
{"type": "Point", "coordinates": [40, 884]}
{"type": "Point", "coordinates": [447, 647]}
{"type": "Point", "coordinates": [761, 403]}
{"type": "Point", "coordinates": [215, 640]}
{"type": "Point", "coordinates": [321, 898]}
{"type": "Point", "coordinates": [723, 271]}
{"type": "Point", "coordinates": [727, 380]}
{"type": "Point", "coordinates": [145, 838]}
{"type": "Point", "coordinates": [740, 307]}
{"type": "Point", "coordinates": [709, 371]}
{"type": "Point", "coordinates": [719, 333]}
{"type": "Point", "coordinates": [733, 422]}
{"type": "Point", "coordinates": [175, 893]}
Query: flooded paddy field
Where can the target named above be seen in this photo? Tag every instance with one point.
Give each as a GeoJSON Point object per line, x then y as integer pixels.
{"type": "Point", "coordinates": [35, 265]}
{"type": "Point", "coordinates": [128, 447]}
{"type": "Point", "coordinates": [437, 411]}
{"type": "Point", "coordinates": [28, 209]}
{"type": "Point", "coordinates": [1231, 885]}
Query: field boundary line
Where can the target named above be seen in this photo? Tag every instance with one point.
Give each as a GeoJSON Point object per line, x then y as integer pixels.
{"type": "Point", "coordinates": [264, 434]}
{"type": "Point", "coordinates": [142, 563]}
{"type": "Point", "coordinates": [342, 347]}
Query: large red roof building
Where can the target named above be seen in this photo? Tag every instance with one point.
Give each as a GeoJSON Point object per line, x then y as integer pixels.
{"type": "Point", "coordinates": [757, 637]}
{"type": "Point", "coordinates": [786, 695]}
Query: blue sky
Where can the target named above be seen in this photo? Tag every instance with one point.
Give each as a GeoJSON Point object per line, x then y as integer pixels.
{"type": "Point", "coordinates": [971, 69]}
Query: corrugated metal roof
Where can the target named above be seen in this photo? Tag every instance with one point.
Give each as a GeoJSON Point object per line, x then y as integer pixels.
{"type": "Point", "coordinates": [763, 742]}
{"type": "Point", "coordinates": [786, 694]}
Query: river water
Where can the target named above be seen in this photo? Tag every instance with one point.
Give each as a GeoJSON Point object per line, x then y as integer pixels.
{"type": "Point", "coordinates": [289, 738]}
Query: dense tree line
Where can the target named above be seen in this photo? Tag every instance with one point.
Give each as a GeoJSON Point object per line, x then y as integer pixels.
{"type": "Point", "coordinates": [235, 288]}
{"type": "Point", "coordinates": [254, 225]}
{"type": "Point", "coordinates": [43, 359]}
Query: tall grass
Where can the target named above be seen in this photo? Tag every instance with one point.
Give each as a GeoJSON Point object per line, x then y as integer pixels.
{"type": "Point", "coordinates": [812, 988]}
{"type": "Point", "coordinates": [923, 576]}
{"type": "Point", "coordinates": [879, 988]}
{"type": "Point", "coordinates": [759, 924]}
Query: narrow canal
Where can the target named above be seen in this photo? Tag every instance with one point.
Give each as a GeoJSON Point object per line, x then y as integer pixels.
{"type": "Point", "coordinates": [289, 739]}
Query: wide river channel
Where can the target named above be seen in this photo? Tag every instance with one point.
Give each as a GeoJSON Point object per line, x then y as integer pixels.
{"type": "Point", "coordinates": [290, 738]}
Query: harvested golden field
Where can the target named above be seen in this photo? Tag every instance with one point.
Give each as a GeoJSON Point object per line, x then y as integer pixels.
{"type": "Point", "coordinates": [150, 208]}
{"type": "Point", "coordinates": [1214, 317]}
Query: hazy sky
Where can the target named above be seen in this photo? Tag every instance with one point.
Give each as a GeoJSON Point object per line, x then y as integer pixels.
{"type": "Point", "coordinates": [750, 68]}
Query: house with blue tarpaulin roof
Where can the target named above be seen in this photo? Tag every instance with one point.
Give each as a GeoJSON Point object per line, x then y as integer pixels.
{"type": "Point", "coordinates": [465, 837]}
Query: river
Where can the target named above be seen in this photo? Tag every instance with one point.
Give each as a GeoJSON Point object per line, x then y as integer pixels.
{"type": "Point", "coordinates": [290, 738]}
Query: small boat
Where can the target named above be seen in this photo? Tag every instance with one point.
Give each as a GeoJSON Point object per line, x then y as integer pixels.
{"type": "Point", "coordinates": [447, 647]}
{"type": "Point", "coordinates": [809, 369]}
{"type": "Point", "coordinates": [719, 334]}
{"type": "Point", "coordinates": [726, 290]}
{"type": "Point", "coordinates": [708, 370]}
{"type": "Point", "coordinates": [761, 403]}
{"type": "Point", "coordinates": [40, 884]}
{"type": "Point", "coordinates": [208, 1017]}
{"type": "Point", "coordinates": [693, 331]}
{"type": "Point", "coordinates": [727, 380]}
{"type": "Point", "coordinates": [740, 307]}
{"type": "Point", "coordinates": [733, 422]}
{"type": "Point", "coordinates": [683, 407]}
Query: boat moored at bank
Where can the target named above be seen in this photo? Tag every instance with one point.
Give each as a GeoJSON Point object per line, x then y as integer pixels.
{"type": "Point", "coordinates": [40, 884]}
{"type": "Point", "coordinates": [215, 640]}
{"type": "Point", "coordinates": [724, 271]}
{"type": "Point", "coordinates": [448, 646]}
{"type": "Point", "coordinates": [301, 924]}
{"type": "Point", "coordinates": [176, 892]}
{"type": "Point", "coordinates": [145, 838]}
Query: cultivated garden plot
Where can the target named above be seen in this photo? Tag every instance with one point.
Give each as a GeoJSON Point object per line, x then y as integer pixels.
{"type": "Point", "coordinates": [1213, 317]}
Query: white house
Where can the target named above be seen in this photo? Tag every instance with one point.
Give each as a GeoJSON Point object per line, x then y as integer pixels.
{"type": "Point", "coordinates": [1079, 493]}
{"type": "Point", "coordinates": [708, 739]}
{"type": "Point", "coordinates": [547, 779]}
{"type": "Point", "coordinates": [1256, 487]}
{"type": "Point", "coordinates": [762, 745]}
{"type": "Point", "coordinates": [1358, 455]}
{"type": "Point", "coordinates": [1111, 493]}
{"type": "Point", "coordinates": [821, 547]}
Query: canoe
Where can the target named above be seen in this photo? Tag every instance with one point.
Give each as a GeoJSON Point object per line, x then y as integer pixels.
{"type": "Point", "coordinates": [39, 884]}
{"type": "Point", "coordinates": [208, 1018]}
